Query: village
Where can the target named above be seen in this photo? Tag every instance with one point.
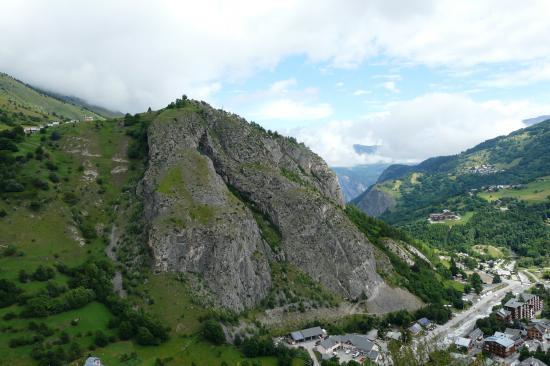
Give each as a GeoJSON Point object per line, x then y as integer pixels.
{"type": "Point", "coordinates": [508, 300]}
{"type": "Point", "coordinates": [34, 129]}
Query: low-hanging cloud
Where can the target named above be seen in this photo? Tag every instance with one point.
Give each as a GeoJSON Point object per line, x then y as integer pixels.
{"type": "Point", "coordinates": [413, 130]}
{"type": "Point", "coordinates": [131, 54]}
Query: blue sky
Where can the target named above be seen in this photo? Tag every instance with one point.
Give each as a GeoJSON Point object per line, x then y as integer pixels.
{"type": "Point", "coordinates": [422, 78]}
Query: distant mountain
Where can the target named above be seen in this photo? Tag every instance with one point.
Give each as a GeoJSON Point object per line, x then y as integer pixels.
{"type": "Point", "coordinates": [500, 188]}
{"type": "Point", "coordinates": [33, 106]}
{"type": "Point", "coordinates": [532, 121]}
{"type": "Point", "coordinates": [365, 149]}
{"type": "Point", "coordinates": [82, 103]}
{"type": "Point", "coordinates": [355, 180]}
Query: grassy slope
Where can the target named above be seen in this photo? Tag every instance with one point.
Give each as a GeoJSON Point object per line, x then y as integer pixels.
{"type": "Point", "coordinates": [17, 97]}
{"type": "Point", "coordinates": [45, 238]}
{"type": "Point", "coordinates": [536, 191]}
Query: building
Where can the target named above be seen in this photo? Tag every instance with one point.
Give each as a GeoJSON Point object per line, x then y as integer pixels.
{"type": "Point", "coordinates": [354, 342]}
{"type": "Point", "coordinates": [504, 314]}
{"type": "Point", "coordinates": [524, 306]}
{"type": "Point", "coordinates": [328, 345]}
{"type": "Point", "coordinates": [309, 334]}
{"type": "Point", "coordinates": [463, 343]}
{"type": "Point", "coordinates": [539, 330]}
{"type": "Point", "coordinates": [501, 346]}
{"type": "Point", "coordinates": [88, 118]}
{"type": "Point", "coordinates": [425, 322]}
{"type": "Point", "coordinates": [445, 215]}
{"type": "Point", "coordinates": [415, 329]}
{"type": "Point", "coordinates": [531, 361]}
{"type": "Point", "coordinates": [476, 335]}
{"type": "Point", "coordinates": [93, 361]}
{"type": "Point", "coordinates": [29, 130]}
{"type": "Point", "coordinates": [393, 336]}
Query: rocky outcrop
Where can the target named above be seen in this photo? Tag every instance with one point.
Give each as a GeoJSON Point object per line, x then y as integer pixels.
{"type": "Point", "coordinates": [209, 170]}
{"type": "Point", "coordinates": [374, 202]}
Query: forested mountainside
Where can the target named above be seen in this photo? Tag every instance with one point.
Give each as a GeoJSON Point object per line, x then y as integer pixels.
{"type": "Point", "coordinates": [500, 190]}
{"type": "Point", "coordinates": [23, 104]}
{"type": "Point", "coordinates": [356, 179]}
{"type": "Point", "coordinates": [136, 237]}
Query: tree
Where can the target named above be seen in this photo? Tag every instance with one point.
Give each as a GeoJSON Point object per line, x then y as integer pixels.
{"type": "Point", "coordinates": [476, 282]}
{"type": "Point", "coordinates": [496, 279]}
{"type": "Point", "coordinates": [100, 339]}
{"type": "Point", "coordinates": [146, 338]}
{"type": "Point", "coordinates": [212, 331]}
{"type": "Point", "coordinates": [454, 268]}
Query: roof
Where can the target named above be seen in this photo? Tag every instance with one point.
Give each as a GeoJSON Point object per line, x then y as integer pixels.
{"type": "Point", "coordinates": [92, 361]}
{"type": "Point", "coordinates": [300, 335]}
{"type": "Point", "coordinates": [526, 296]}
{"type": "Point", "coordinates": [503, 313]}
{"type": "Point", "coordinates": [373, 355]}
{"type": "Point", "coordinates": [514, 333]}
{"type": "Point", "coordinates": [463, 342]}
{"type": "Point", "coordinates": [297, 336]}
{"type": "Point", "coordinates": [394, 335]}
{"type": "Point", "coordinates": [503, 341]}
{"type": "Point", "coordinates": [475, 334]}
{"type": "Point", "coordinates": [359, 341]}
{"type": "Point", "coordinates": [415, 328]}
{"type": "Point", "coordinates": [513, 303]}
{"type": "Point", "coordinates": [424, 322]}
{"type": "Point", "coordinates": [312, 332]}
{"type": "Point", "coordinates": [531, 361]}
{"type": "Point", "coordinates": [329, 342]}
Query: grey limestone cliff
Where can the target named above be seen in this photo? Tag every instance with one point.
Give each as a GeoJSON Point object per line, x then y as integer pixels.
{"type": "Point", "coordinates": [209, 170]}
{"type": "Point", "coordinates": [374, 202]}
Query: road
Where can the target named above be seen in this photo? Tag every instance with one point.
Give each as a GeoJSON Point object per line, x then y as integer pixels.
{"type": "Point", "coordinates": [464, 321]}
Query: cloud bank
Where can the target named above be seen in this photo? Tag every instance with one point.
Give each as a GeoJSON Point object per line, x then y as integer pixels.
{"type": "Point", "coordinates": [412, 130]}
{"type": "Point", "coordinates": [131, 54]}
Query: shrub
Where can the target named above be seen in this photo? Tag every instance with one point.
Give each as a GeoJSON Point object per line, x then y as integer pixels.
{"type": "Point", "coordinates": [212, 331]}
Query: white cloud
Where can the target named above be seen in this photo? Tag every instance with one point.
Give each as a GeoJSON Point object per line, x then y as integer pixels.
{"type": "Point", "coordinates": [390, 85]}
{"type": "Point", "coordinates": [429, 125]}
{"type": "Point", "coordinates": [282, 86]}
{"type": "Point", "coordinates": [537, 72]}
{"type": "Point", "coordinates": [130, 54]}
{"type": "Point", "coordinates": [207, 91]}
{"type": "Point", "coordinates": [359, 92]}
{"type": "Point", "coordinates": [286, 109]}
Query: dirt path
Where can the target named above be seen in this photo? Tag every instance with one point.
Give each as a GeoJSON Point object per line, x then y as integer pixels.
{"type": "Point", "coordinates": [110, 251]}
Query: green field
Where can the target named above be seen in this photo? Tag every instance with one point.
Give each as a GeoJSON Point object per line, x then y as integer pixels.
{"type": "Point", "coordinates": [536, 191]}
{"type": "Point", "coordinates": [489, 250]}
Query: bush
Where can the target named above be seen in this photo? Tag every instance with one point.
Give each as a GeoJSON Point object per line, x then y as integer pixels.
{"type": "Point", "coordinates": [145, 337]}
{"type": "Point", "coordinates": [212, 331]}
{"type": "Point", "coordinates": [43, 273]}
{"type": "Point", "coordinates": [9, 293]}
{"type": "Point", "coordinates": [100, 339]}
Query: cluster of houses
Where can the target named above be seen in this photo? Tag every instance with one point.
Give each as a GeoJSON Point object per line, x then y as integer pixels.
{"type": "Point", "coordinates": [443, 216]}
{"type": "Point", "coordinates": [353, 346]}
{"type": "Point", "coordinates": [504, 345]}
{"type": "Point", "coordinates": [420, 325]}
{"type": "Point", "coordinates": [359, 347]}
{"type": "Point", "coordinates": [496, 188]}
{"type": "Point", "coordinates": [34, 129]}
{"type": "Point", "coordinates": [482, 169]}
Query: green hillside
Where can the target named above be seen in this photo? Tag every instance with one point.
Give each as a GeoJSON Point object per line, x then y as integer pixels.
{"type": "Point", "coordinates": [20, 103]}
{"type": "Point", "coordinates": [500, 189]}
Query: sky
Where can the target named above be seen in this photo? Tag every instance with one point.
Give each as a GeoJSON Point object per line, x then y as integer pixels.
{"type": "Point", "coordinates": [418, 78]}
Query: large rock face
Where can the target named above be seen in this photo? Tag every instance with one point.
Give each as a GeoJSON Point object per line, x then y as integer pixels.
{"type": "Point", "coordinates": [207, 169]}
{"type": "Point", "coordinates": [374, 202]}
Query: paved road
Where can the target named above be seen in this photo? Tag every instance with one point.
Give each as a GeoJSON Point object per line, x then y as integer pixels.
{"type": "Point", "coordinates": [464, 321]}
